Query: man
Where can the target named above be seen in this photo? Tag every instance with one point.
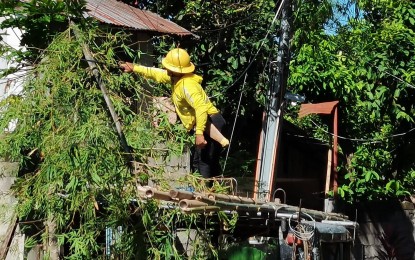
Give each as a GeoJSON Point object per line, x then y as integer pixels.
{"type": "Point", "coordinates": [192, 105]}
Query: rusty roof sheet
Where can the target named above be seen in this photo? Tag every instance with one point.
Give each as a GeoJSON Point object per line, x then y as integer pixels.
{"type": "Point", "coordinates": [120, 14]}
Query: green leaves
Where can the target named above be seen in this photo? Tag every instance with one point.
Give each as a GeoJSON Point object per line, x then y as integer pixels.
{"type": "Point", "coordinates": [366, 65]}
{"type": "Point", "coordinates": [40, 21]}
{"type": "Point", "coordinates": [70, 154]}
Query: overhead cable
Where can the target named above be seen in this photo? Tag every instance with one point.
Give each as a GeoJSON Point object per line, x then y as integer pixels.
{"type": "Point", "coordinates": [363, 140]}
{"type": "Point", "coordinates": [234, 123]}
{"type": "Point", "coordinates": [259, 49]}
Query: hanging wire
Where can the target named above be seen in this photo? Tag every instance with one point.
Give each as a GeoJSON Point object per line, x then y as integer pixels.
{"type": "Point", "coordinates": [374, 141]}
{"type": "Point", "coordinates": [395, 77]}
{"type": "Point", "coordinates": [234, 122]}
{"type": "Point", "coordinates": [262, 43]}
{"type": "Point", "coordinates": [259, 49]}
{"type": "Point", "coordinates": [303, 231]}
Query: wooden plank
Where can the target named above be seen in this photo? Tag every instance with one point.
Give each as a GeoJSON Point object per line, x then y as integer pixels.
{"type": "Point", "coordinates": [317, 108]}
{"type": "Point", "coordinates": [8, 237]}
{"type": "Point", "coordinates": [328, 174]}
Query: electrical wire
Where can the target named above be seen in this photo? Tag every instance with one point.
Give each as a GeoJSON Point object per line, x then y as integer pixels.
{"type": "Point", "coordinates": [259, 48]}
{"type": "Point", "coordinates": [360, 139]}
{"type": "Point", "coordinates": [253, 59]}
{"type": "Point", "coordinates": [395, 77]}
{"type": "Point", "coordinates": [262, 43]}
{"type": "Point", "coordinates": [234, 123]}
{"type": "Point", "coordinates": [320, 141]}
{"type": "Point", "coordinates": [303, 231]}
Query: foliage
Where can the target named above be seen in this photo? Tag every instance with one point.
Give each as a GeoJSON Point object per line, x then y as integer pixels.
{"type": "Point", "coordinates": [367, 66]}
{"type": "Point", "coordinates": [229, 45]}
{"type": "Point", "coordinates": [238, 42]}
{"type": "Point", "coordinates": [73, 171]}
{"type": "Point", "coordinates": [70, 155]}
{"type": "Point", "coordinates": [40, 21]}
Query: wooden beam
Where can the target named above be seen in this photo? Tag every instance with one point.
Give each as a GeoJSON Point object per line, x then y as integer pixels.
{"type": "Point", "coordinates": [328, 174]}
{"type": "Point", "coordinates": [8, 237]}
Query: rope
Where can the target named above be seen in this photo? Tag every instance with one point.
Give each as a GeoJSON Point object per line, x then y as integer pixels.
{"type": "Point", "coordinates": [234, 122]}
{"type": "Point", "coordinates": [303, 231]}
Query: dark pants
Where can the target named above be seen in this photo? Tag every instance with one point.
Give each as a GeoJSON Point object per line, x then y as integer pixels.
{"type": "Point", "coordinates": [206, 160]}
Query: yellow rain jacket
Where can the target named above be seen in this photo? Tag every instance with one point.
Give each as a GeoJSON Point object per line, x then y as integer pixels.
{"type": "Point", "coordinates": [190, 100]}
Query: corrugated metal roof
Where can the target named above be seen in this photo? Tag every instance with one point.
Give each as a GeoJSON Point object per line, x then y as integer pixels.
{"type": "Point", "coordinates": [121, 14]}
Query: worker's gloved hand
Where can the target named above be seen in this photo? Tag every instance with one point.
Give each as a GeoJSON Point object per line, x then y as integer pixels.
{"type": "Point", "coordinates": [126, 66]}
{"type": "Point", "coordinates": [200, 141]}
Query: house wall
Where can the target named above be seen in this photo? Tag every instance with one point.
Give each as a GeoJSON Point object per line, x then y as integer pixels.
{"type": "Point", "coordinates": [386, 230]}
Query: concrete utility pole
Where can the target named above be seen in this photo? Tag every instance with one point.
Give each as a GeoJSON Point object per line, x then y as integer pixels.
{"type": "Point", "coordinates": [269, 143]}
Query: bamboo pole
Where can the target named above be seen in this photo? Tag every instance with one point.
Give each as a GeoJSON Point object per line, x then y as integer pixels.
{"type": "Point", "coordinates": [239, 206]}
{"type": "Point", "coordinates": [232, 198]}
{"type": "Point", "coordinates": [8, 237]}
{"type": "Point", "coordinates": [143, 189]}
{"type": "Point", "coordinates": [318, 215]}
{"type": "Point", "coordinates": [203, 209]}
{"type": "Point", "coordinates": [51, 240]}
{"type": "Point", "coordinates": [160, 195]}
{"type": "Point", "coordinates": [180, 194]}
{"type": "Point", "coordinates": [94, 69]}
{"type": "Point", "coordinates": [216, 135]}
{"type": "Point", "coordinates": [185, 204]}
{"type": "Point", "coordinates": [328, 173]}
{"type": "Point", "coordinates": [215, 202]}
{"type": "Point", "coordinates": [276, 208]}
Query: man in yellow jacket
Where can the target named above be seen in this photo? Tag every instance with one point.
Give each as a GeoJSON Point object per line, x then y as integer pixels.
{"type": "Point", "coordinates": [192, 106]}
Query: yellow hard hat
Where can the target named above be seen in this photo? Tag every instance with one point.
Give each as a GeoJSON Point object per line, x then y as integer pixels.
{"type": "Point", "coordinates": [178, 60]}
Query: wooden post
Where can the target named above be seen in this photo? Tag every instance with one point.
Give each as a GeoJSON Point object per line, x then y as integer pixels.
{"type": "Point", "coordinates": [335, 150]}
{"type": "Point", "coordinates": [328, 174]}
{"type": "Point", "coordinates": [8, 237]}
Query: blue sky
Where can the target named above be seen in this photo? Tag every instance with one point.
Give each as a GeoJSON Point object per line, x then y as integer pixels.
{"type": "Point", "coordinates": [330, 28]}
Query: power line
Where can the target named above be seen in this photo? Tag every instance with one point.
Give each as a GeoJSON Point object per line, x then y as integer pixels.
{"type": "Point", "coordinates": [320, 141]}
{"type": "Point", "coordinates": [399, 79]}
{"type": "Point", "coordinates": [259, 49]}
{"type": "Point", "coordinates": [363, 140]}
{"type": "Point", "coordinates": [234, 122]}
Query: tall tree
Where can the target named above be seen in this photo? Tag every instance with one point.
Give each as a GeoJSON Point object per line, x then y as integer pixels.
{"type": "Point", "coordinates": [68, 149]}
{"type": "Point", "coordinates": [74, 182]}
{"type": "Point", "coordinates": [367, 64]}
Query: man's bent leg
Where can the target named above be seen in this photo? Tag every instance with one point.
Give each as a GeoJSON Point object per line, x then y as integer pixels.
{"type": "Point", "coordinates": [209, 165]}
